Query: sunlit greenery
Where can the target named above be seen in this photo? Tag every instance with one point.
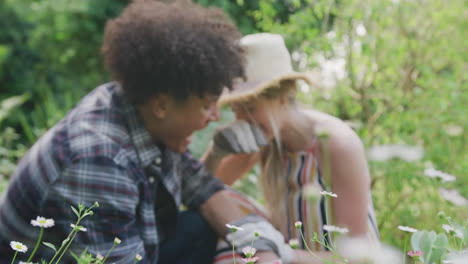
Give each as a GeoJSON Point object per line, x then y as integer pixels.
{"type": "Point", "coordinates": [401, 68]}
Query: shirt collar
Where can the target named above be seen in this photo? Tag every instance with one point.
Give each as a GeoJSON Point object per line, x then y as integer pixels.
{"type": "Point", "coordinates": [147, 151]}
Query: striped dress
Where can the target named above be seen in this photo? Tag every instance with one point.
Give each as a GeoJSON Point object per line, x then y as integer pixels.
{"type": "Point", "coordinates": [302, 169]}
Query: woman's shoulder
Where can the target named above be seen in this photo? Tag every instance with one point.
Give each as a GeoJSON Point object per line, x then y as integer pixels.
{"type": "Point", "coordinates": [340, 137]}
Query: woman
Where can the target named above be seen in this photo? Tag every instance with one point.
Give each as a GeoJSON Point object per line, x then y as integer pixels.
{"type": "Point", "coordinates": [299, 149]}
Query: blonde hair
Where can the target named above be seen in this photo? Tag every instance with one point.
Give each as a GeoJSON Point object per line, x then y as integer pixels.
{"type": "Point", "coordinates": [273, 181]}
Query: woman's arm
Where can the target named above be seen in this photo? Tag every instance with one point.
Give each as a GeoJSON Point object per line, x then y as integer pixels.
{"type": "Point", "coordinates": [232, 167]}
{"type": "Point", "coordinates": [344, 153]}
{"type": "Point", "coordinates": [301, 257]}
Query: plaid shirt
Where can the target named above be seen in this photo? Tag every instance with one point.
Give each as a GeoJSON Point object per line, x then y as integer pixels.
{"type": "Point", "coordinates": [99, 152]}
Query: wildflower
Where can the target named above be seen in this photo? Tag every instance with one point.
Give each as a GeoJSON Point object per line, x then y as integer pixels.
{"type": "Point", "coordinates": [256, 234]}
{"type": "Point", "coordinates": [138, 257]}
{"type": "Point", "coordinates": [433, 173]}
{"type": "Point", "coordinates": [361, 30]}
{"type": "Point", "coordinates": [311, 192]}
{"type": "Point", "coordinates": [298, 224]}
{"type": "Point", "coordinates": [441, 215]}
{"type": "Point", "coordinates": [17, 246]}
{"type": "Point", "coordinates": [250, 260]}
{"type": "Point", "coordinates": [80, 228]}
{"type": "Point", "coordinates": [453, 231]}
{"type": "Point", "coordinates": [249, 251]}
{"type": "Point", "coordinates": [117, 241]}
{"type": "Point", "coordinates": [234, 228]}
{"type": "Point", "coordinates": [325, 193]}
{"type": "Point", "coordinates": [332, 228]}
{"type": "Point", "coordinates": [454, 130]}
{"type": "Point", "coordinates": [417, 253]}
{"type": "Point", "coordinates": [457, 258]}
{"type": "Point", "coordinates": [390, 151]}
{"type": "Point", "coordinates": [407, 229]}
{"type": "Point", "coordinates": [448, 228]}
{"type": "Point", "coordinates": [43, 222]}
{"type": "Point", "coordinates": [361, 250]}
{"type": "Point", "coordinates": [99, 257]}
{"type": "Point", "coordinates": [453, 196]}
{"type": "Point", "coordinates": [294, 243]}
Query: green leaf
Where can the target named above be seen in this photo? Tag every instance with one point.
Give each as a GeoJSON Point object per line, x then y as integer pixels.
{"type": "Point", "coordinates": [65, 241]}
{"type": "Point", "coordinates": [50, 245]}
{"type": "Point", "coordinates": [7, 105]}
{"type": "Point", "coordinates": [416, 239]}
{"type": "Point", "coordinates": [75, 211]}
{"type": "Point", "coordinates": [438, 248]}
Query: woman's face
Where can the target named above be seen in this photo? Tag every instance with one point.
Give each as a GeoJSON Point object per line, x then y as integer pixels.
{"type": "Point", "coordinates": [259, 112]}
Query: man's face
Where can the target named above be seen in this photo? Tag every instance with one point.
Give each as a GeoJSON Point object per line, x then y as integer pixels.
{"type": "Point", "coordinates": [181, 119]}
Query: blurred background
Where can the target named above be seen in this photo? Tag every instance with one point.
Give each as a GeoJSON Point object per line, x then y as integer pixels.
{"type": "Point", "coordinates": [395, 70]}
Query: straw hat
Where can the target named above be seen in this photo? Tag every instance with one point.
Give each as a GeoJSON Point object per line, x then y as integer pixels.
{"type": "Point", "coordinates": [268, 62]}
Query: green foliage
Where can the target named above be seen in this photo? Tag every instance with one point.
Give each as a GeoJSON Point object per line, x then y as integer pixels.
{"type": "Point", "coordinates": [403, 81]}
{"type": "Point", "coordinates": [7, 105]}
{"type": "Point", "coordinates": [433, 245]}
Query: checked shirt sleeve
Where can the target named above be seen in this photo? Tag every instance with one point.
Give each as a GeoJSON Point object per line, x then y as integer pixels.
{"type": "Point", "coordinates": [92, 179]}
{"type": "Point", "coordinates": [198, 185]}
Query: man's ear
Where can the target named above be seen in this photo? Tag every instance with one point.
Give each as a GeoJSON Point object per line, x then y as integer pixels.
{"type": "Point", "coordinates": [159, 106]}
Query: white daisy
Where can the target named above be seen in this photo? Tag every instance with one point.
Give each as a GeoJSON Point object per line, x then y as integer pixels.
{"type": "Point", "coordinates": [298, 224]}
{"type": "Point", "coordinates": [17, 246]}
{"type": "Point", "coordinates": [138, 257]}
{"type": "Point", "coordinates": [325, 193]}
{"type": "Point", "coordinates": [294, 243]}
{"type": "Point", "coordinates": [361, 250]}
{"type": "Point", "coordinates": [42, 222]}
{"type": "Point", "coordinates": [233, 228]}
{"type": "Point", "coordinates": [249, 251]}
{"type": "Point", "coordinates": [454, 130]}
{"type": "Point", "coordinates": [453, 196]}
{"type": "Point", "coordinates": [390, 151]}
{"type": "Point", "coordinates": [117, 241]}
{"type": "Point", "coordinates": [407, 229]}
{"type": "Point", "coordinates": [79, 227]}
{"type": "Point", "coordinates": [457, 258]}
{"type": "Point", "coordinates": [433, 173]}
{"type": "Point", "coordinates": [332, 228]}
{"type": "Point", "coordinates": [453, 231]}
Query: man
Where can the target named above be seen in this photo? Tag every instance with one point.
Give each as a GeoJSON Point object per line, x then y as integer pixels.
{"type": "Point", "coordinates": [125, 146]}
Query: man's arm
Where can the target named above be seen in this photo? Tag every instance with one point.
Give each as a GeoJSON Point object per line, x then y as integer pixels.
{"type": "Point", "coordinates": [99, 179]}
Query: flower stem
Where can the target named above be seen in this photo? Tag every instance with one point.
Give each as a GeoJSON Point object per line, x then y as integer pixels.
{"type": "Point", "coordinates": [404, 249]}
{"type": "Point", "coordinates": [307, 246]}
{"type": "Point", "coordinates": [67, 245]}
{"type": "Point", "coordinates": [37, 244]}
{"type": "Point", "coordinates": [60, 249]}
{"type": "Point", "coordinates": [233, 255]}
{"type": "Point", "coordinates": [110, 250]}
{"type": "Point", "coordinates": [14, 257]}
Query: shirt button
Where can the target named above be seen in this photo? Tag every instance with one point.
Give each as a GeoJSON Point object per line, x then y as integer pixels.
{"type": "Point", "coordinates": [157, 161]}
{"type": "Point", "coordinates": [151, 179]}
